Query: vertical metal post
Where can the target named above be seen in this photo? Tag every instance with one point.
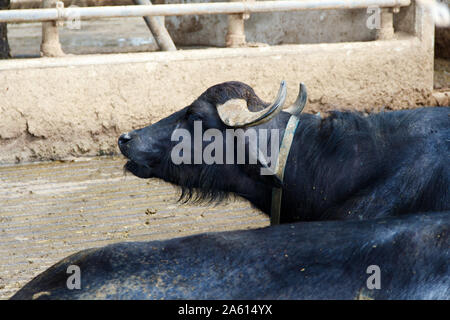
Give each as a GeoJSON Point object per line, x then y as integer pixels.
{"type": "Point", "coordinates": [157, 28]}
{"type": "Point", "coordinates": [236, 32]}
{"type": "Point", "coordinates": [386, 30]}
{"type": "Point", "coordinates": [50, 46]}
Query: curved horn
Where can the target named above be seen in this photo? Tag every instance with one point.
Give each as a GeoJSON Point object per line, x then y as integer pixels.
{"type": "Point", "coordinates": [300, 102]}
{"type": "Point", "coordinates": [235, 113]}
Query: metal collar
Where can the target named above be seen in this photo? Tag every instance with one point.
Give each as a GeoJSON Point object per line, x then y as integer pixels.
{"type": "Point", "coordinates": [286, 143]}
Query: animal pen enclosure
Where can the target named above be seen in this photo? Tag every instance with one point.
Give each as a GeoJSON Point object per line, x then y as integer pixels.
{"type": "Point", "coordinates": [68, 109]}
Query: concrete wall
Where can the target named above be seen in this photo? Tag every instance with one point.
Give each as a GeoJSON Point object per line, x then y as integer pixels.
{"type": "Point", "coordinates": [443, 43]}
{"type": "Point", "coordinates": [54, 108]}
{"type": "Point", "coordinates": [272, 28]}
{"type": "Point", "coordinates": [119, 35]}
{"type": "Point", "coordinates": [29, 4]}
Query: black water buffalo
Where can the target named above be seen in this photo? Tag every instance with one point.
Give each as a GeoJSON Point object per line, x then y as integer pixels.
{"type": "Point", "coordinates": [344, 166]}
{"type": "Point", "coordinates": [386, 258]}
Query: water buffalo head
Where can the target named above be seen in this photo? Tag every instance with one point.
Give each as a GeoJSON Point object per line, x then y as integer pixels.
{"type": "Point", "coordinates": [230, 105]}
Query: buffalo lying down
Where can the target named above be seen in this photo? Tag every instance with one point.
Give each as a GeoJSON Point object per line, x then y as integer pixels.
{"type": "Point", "coordinates": [305, 260]}
{"type": "Point", "coordinates": [343, 166]}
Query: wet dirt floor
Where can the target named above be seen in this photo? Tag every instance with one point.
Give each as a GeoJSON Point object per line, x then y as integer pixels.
{"type": "Point", "coordinates": [51, 210]}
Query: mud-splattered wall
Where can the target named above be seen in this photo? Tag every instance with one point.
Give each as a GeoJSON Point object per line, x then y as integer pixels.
{"type": "Point", "coordinates": [54, 108]}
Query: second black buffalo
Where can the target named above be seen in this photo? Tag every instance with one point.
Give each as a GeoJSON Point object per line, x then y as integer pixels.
{"type": "Point", "coordinates": [387, 258]}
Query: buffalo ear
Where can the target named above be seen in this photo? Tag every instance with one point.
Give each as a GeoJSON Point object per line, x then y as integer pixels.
{"type": "Point", "coordinates": [263, 170]}
{"type": "Point", "coordinates": [254, 172]}
{"type": "Point", "coordinates": [272, 180]}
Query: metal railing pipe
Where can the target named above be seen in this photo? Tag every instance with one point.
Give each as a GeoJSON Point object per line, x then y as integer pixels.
{"type": "Point", "coordinates": [50, 46]}
{"type": "Point", "coordinates": [386, 30]}
{"type": "Point", "coordinates": [28, 15]}
{"type": "Point", "coordinates": [235, 36]}
{"type": "Point", "coordinates": [158, 29]}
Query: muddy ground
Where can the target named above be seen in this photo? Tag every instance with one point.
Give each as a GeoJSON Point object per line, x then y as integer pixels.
{"type": "Point", "coordinates": [51, 210]}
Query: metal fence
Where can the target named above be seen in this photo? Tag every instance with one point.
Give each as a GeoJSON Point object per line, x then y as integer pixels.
{"type": "Point", "coordinates": [237, 11]}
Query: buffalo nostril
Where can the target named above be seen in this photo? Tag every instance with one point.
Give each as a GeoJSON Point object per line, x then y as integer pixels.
{"type": "Point", "coordinates": [124, 138]}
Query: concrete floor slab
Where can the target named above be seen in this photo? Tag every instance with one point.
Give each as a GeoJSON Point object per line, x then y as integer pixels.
{"type": "Point", "coordinates": [51, 210]}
